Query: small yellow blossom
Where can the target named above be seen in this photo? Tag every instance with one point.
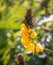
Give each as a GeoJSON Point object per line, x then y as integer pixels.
{"type": "Point", "coordinates": [31, 47]}
{"type": "Point", "coordinates": [39, 48]}
{"type": "Point", "coordinates": [24, 32]}
{"type": "Point", "coordinates": [29, 31]}
{"type": "Point", "coordinates": [33, 34]}
{"type": "Point", "coordinates": [23, 26]}
{"type": "Point", "coordinates": [25, 38]}
{"type": "Point", "coordinates": [25, 42]}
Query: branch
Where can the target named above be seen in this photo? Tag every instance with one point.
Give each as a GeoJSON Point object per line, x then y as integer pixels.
{"type": "Point", "coordinates": [46, 49]}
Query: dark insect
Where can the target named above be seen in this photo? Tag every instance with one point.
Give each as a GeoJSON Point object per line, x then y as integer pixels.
{"type": "Point", "coordinates": [29, 18]}
{"type": "Point", "coordinates": [20, 59]}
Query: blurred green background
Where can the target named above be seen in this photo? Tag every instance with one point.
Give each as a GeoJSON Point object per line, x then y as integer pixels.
{"type": "Point", "coordinates": [12, 14]}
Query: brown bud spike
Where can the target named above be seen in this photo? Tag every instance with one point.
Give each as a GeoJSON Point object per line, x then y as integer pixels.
{"type": "Point", "coordinates": [29, 18]}
{"type": "Point", "coordinates": [20, 59]}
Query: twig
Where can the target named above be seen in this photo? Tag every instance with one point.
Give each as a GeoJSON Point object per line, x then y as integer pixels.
{"type": "Point", "coordinates": [46, 49]}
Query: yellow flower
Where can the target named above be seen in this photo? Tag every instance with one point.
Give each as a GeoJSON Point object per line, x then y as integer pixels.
{"type": "Point", "coordinates": [24, 32]}
{"type": "Point", "coordinates": [23, 26]}
{"type": "Point", "coordinates": [25, 38]}
{"type": "Point", "coordinates": [25, 42]}
{"type": "Point", "coordinates": [31, 47]}
{"type": "Point", "coordinates": [29, 31]}
{"type": "Point", "coordinates": [39, 48]}
{"type": "Point", "coordinates": [33, 34]}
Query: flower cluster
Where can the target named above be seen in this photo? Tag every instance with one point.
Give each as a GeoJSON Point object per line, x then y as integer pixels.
{"type": "Point", "coordinates": [28, 39]}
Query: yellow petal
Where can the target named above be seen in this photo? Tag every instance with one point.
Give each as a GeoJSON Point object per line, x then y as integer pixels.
{"type": "Point", "coordinates": [25, 42]}
{"type": "Point", "coordinates": [31, 47]}
{"type": "Point", "coordinates": [39, 48]}
{"type": "Point", "coordinates": [23, 26]}
{"type": "Point", "coordinates": [33, 34]}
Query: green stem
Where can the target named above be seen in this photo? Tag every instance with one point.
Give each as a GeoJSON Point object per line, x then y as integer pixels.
{"type": "Point", "coordinates": [46, 49]}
